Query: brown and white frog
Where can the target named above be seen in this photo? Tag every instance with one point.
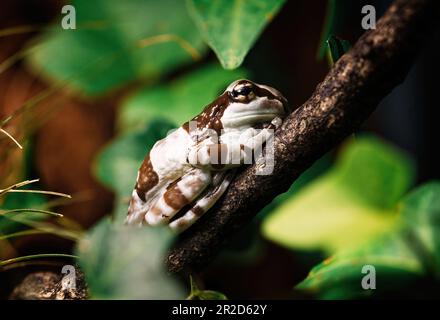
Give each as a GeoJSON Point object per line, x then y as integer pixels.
{"type": "Point", "coordinates": [186, 173]}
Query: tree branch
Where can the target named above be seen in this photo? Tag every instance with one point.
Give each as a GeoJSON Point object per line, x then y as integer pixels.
{"type": "Point", "coordinates": [353, 88]}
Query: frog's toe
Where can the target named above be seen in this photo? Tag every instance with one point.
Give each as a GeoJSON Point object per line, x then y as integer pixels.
{"type": "Point", "coordinates": [277, 122]}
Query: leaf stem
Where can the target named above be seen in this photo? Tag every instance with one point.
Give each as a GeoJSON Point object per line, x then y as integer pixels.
{"type": "Point", "coordinates": [185, 45]}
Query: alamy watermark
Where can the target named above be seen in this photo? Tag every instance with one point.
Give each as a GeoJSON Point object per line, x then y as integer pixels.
{"type": "Point", "coordinates": [369, 20]}
{"type": "Point", "coordinates": [69, 280]}
{"type": "Point", "coordinates": [369, 280]}
{"type": "Point", "coordinates": [69, 20]}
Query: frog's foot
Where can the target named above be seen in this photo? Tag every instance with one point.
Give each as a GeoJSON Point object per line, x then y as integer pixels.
{"type": "Point", "coordinates": [276, 122]}
{"type": "Point", "coordinates": [220, 183]}
{"type": "Point", "coordinates": [177, 195]}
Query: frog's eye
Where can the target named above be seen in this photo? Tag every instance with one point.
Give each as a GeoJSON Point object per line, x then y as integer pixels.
{"type": "Point", "coordinates": [243, 92]}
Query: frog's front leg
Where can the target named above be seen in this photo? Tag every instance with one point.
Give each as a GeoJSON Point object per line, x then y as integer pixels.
{"type": "Point", "coordinates": [233, 150]}
{"type": "Point", "coordinates": [211, 195]}
{"type": "Point", "coordinates": [177, 195]}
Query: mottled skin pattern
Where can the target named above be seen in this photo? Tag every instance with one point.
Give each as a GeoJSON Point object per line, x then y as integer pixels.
{"type": "Point", "coordinates": [188, 171]}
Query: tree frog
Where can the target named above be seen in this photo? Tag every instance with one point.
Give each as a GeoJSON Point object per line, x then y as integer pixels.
{"type": "Point", "coordinates": [187, 172]}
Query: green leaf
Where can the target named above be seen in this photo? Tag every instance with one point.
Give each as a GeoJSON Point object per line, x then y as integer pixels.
{"type": "Point", "coordinates": [328, 27]}
{"type": "Point", "coordinates": [422, 206]}
{"type": "Point", "coordinates": [117, 42]}
{"type": "Point", "coordinates": [231, 27]}
{"type": "Point", "coordinates": [178, 101]}
{"type": "Point", "coordinates": [337, 48]}
{"type": "Point", "coordinates": [122, 262]}
{"type": "Point", "coordinates": [407, 254]}
{"type": "Point", "coordinates": [118, 163]}
{"type": "Point", "coordinates": [21, 200]}
{"type": "Point", "coordinates": [340, 277]}
{"type": "Point", "coordinates": [350, 204]}
{"type": "Point", "coordinates": [421, 215]}
{"type": "Point", "coordinates": [376, 173]}
{"type": "Point", "coordinates": [316, 170]}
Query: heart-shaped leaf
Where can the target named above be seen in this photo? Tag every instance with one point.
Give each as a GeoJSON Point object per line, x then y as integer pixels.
{"type": "Point", "coordinates": [353, 202]}
{"type": "Point", "coordinates": [231, 27]}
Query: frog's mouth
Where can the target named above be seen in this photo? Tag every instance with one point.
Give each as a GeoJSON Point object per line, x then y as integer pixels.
{"type": "Point", "coordinates": [251, 118]}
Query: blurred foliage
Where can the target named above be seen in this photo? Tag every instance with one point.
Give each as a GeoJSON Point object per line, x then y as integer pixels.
{"type": "Point", "coordinates": [118, 163]}
{"type": "Point", "coordinates": [11, 200]}
{"type": "Point", "coordinates": [20, 200]}
{"type": "Point", "coordinates": [247, 246]}
{"type": "Point", "coordinates": [407, 253]}
{"type": "Point", "coordinates": [179, 100]}
{"type": "Point", "coordinates": [340, 276]}
{"type": "Point", "coordinates": [355, 212]}
{"type": "Point", "coordinates": [122, 262]}
{"type": "Point", "coordinates": [331, 45]}
{"type": "Point", "coordinates": [328, 28]}
{"type": "Point", "coordinates": [22, 214]}
{"type": "Point", "coordinates": [354, 201]}
{"type": "Point", "coordinates": [231, 27]}
{"type": "Point", "coordinates": [421, 216]}
{"type": "Point", "coordinates": [316, 170]}
{"type": "Point", "coordinates": [337, 12]}
{"type": "Point", "coordinates": [117, 42]}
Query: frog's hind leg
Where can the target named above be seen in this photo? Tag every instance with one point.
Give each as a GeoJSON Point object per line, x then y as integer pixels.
{"type": "Point", "coordinates": [136, 210]}
{"type": "Point", "coordinates": [220, 183]}
{"type": "Point", "coordinates": [177, 195]}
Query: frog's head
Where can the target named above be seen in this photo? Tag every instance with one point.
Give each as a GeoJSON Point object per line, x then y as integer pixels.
{"type": "Point", "coordinates": [250, 103]}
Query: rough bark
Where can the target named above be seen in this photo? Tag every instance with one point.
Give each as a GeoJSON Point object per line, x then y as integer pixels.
{"type": "Point", "coordinates": [354, 86]}
{"type": "Point", "coordinates": [46, 285]}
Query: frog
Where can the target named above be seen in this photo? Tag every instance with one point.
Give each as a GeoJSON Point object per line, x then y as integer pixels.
{"type": "Point", "coordinates": [189, 170]}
